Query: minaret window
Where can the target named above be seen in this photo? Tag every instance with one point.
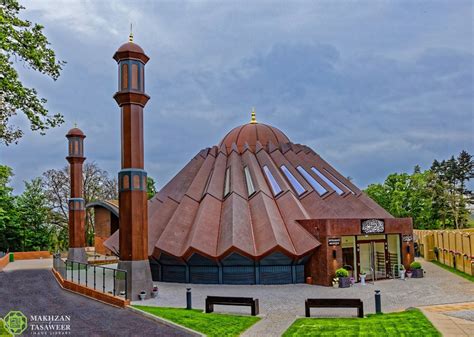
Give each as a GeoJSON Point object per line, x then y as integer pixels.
{"type": "Point", "coordinates": [131, 75]}
{"type": "Point", "coordinates": [248, 180]}
{"type": "Point", "coordinates": [135, 76]}
{"type": "Point", "coordinates": [327, 181]}
{"type": "Point", "coordinates": [124, 80]}
{"type": "Point", "coordinates": [317, 186]}
{"type": "Point", "coordinates": [294, 182]}
{"type": "Point", "coordinates": [273, 183]}
{"type": "Point", "coordinates": [227, 182]}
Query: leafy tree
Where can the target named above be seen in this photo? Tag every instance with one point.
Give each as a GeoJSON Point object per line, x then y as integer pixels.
{"type": "Point", "coordinates": [33, 216]}
{"type": "Point", "coordinates": [9, 229]}
{"type": "Point", "coordinates": [150, 187]}
{"type": "Point", "coordinates": [21, 40]}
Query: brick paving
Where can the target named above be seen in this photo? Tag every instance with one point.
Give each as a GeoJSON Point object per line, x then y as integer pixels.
{"type": "Point", "coordinates": [280, 305]}
{"type": "Point", "coordinates": [35, 292]}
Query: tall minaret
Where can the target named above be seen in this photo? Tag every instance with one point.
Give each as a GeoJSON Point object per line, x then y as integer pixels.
{"type": "Point", "coordinates": [77, 231]}
{"type": "Point", "coordinates": [133, 217]}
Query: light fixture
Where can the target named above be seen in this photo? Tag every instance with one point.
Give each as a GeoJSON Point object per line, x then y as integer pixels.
{"type": "Point", "coordinates": [334, 254]}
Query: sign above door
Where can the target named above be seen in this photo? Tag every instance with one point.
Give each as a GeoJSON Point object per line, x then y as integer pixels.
{"type": "Point", "coordinates": [372, 226]}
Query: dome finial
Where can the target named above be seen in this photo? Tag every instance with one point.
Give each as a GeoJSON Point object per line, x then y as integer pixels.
{"type": "Point", "coordinates": [253, 119]}
{"type": "Point", "coordinates": [130, 37]}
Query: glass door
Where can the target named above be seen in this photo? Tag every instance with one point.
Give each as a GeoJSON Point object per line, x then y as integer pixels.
{"type": "Point", "coordinates": [372, 259]}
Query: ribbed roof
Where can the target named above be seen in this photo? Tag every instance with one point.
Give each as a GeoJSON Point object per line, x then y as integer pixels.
{"type": "Point", "coordinates": [191, 214]}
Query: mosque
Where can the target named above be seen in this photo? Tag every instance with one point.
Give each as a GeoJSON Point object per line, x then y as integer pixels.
{"type": "Point", "coordinates": [255, 208]}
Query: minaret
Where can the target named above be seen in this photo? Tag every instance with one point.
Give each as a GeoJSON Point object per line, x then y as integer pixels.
{"type": "Point", "coordinates": [133, 216]}
{"type": "Point", "coordinates": [77, 231]}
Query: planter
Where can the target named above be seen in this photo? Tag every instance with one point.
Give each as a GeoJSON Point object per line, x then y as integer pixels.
{"type": "Point", "coordinates": [362, 279]}
{"type": "Point", "coordinates": [417, 273]}
{"type": "Point", "coordinates": [344, 282]}
{"type": "Point", "coordinates": [142, 295]}
{"type": "Point", "coordinates": [154, 294]}
{"type": "Point", "coordinates": [402, 274]}
{"type": "Point", "coordinates": [309, 280]}
{"type": "Point", "coordinates": [409, 274]}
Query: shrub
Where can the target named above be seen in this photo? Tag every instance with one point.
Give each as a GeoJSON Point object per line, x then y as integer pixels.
{"type": "Point", "coordinates": [341, 272]}
{"type": "Point", "coordinates": [415, 265]}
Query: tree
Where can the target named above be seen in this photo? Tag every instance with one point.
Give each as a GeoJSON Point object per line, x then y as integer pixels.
{"type": "Point", "coordinates": [21, 40]}
{"type": "Point", "coordinates": [33, 217]}
{"type": "Point", "coordinates": [150, 187]}
{"type": "Point", "coordinates": [9, 229]}
{"type": "Point", "coordinates": [97, 186]}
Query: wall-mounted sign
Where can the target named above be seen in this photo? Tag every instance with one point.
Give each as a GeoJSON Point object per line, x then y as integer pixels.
{"type": "Point", "coordinates": [372, 226]}
{"type": "Point", "coordinates": [407, 238]}
{"type": "Point", "coordinates": [334, 241]}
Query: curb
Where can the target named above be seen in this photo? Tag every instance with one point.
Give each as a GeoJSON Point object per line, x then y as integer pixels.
{"type": "Point", "coordinates": [165, 321]}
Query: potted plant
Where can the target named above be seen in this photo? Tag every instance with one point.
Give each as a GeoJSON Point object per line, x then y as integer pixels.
{"type": "Point", "coordinates": [344, 279]}
{"type": "Point", "coordinates": [154, 292]}
{"type": "Point", "coordinates": [362, 276]}
{"type": "Point", "coordinates": [401, 271]}
{"type": "Point", "coordinates": [142, 295]}
{"type": "Point", "coordinates": [416, 270]}
{"type": "Point", "coordinates": [335, 282]}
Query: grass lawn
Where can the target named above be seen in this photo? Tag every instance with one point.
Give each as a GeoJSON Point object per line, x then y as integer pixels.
{"type": "Point", "coordinates": [454, 271]}
{"type": "Point", "coordinates": [407, 323]}
{"type": "Point", "coordinates": [212, 325]}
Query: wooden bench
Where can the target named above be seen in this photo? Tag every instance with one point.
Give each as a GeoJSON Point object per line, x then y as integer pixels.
{"type": "Point", "coordinates": [334, 303]}
{"type": "Point", "coordinates": [240, 301]}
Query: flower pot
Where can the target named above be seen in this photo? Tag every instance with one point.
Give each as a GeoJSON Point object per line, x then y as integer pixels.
{"type": "Point", "coordinates": [154, 294]}
{"type": "Point", "coordinates": [344, 282]}
{"type": "Point", "coordinates": [142, 295]}
{"type": "Point", "coordinates": [402, 274]}
{"type": "Point", "coordinates": [409, 274]}
{"type": "Point", "coordinates": [417, 273]}
{"type": "Point", "coordinates": [362, 279]}
{"type": "Point", "coordinates": [309, 280]}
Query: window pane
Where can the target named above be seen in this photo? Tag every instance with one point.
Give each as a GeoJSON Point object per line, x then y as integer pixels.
{"type": "Point", "coordinates": [248, 180]}
{"type": "Point", "coordinates": [227, 182]}
{"type": "Point", "coordinates": [333, 176]}
{"type": "Point", "coordinates": [317, 186]}
{"type": "Point", "coordinates": [273, 183]}
{"type": "Point", "coordinates": [294, 182]}
{"type": "Point", "coordinates": [327, 181]}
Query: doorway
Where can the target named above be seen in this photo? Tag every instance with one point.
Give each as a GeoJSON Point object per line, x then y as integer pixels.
{"type": "Point", "coordinates": [372, 258]}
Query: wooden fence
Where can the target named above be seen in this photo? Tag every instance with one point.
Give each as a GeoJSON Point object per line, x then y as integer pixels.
{"type": "Point", "coordinates": [454, 248]}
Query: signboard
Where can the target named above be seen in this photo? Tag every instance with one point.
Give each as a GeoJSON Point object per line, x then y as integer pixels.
{"type": "Point", "coordinates": [372, 226]}
{"type": "Point", "coordinates": [334, 241]}
{"type": "Point", "coordinates": [407, 238]}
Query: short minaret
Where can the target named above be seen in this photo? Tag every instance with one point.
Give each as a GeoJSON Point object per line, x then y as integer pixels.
{"type": "Point", "coordinates": [77, 231]}
{"type": "Point", "coordinates": [133, 216]}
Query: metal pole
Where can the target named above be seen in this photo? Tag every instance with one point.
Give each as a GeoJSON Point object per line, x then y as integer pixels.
{"type": "Point", "coordinates": [103, 280]}
{"type": "Point", "coordinates": [188, 299]}
{"type": "Point", "coordinates": [126, 285]}
{"type": "Point", "coordinates": [114, 282]}
{"type": "Point", "coordinates": [378, 303]}
{"type": "Point", "coordinates": [94, 277]}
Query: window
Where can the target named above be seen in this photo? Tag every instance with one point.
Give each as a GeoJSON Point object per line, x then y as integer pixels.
{"type": "Point", "coordinates": [248, 180]}
{"type": "Point", "coordinates": [327, 181]}
{"type": "Point", "coordinates": [332, 175]}
{"type": "Point", "coordinates": [294, 182]}
{"type": "Point", "coordinates": [227, 182]}
{"type": "Point", "coordinates": [273, 183]}
{"type": "Point", "coordinates": [317, 186]}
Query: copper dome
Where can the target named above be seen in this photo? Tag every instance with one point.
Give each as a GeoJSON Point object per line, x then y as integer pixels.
{"type": "Point", "coordinates": [75, 132]}
{"type": "Point", "coordinates": [252, 133]}
{"type": "Point", "coordinates": [131, 47]}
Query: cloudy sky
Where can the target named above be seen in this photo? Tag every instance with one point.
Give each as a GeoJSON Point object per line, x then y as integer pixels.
{"type": "Point", "coordinates": [374, 87]}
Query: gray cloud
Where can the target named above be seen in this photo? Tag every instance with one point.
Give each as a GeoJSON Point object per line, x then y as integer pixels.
{"type": "Point", "coordinates": [372, 87]}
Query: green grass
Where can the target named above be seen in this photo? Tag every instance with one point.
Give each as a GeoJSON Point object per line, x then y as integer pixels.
{"type": "Point", "coordinates": [454, 271]}
{"type": "Point", "coordinates": [407, 323]}
{"type": "Point", "coordinates": [212, 325]}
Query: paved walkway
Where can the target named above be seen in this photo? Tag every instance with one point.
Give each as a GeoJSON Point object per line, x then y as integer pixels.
{"type": "Point", "coordinates": [35, 292]}
{"type": "Point", "coordinates": [280, 305]}
{"type": "Point", "coordinates": [29, 264]}
{"type": "Point", "coordinates": [452, 320]}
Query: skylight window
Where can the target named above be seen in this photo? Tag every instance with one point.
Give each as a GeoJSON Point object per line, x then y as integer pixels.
{"type": "Point", "coordinates": [248, 180]}
{"type": "Point", "coordinates": [342, 183]}
{"type": "Point", "coordinates": [227, 182]}
{"type": "Point", "coordinates": [294, 182]}
{"type": "Point", "coordinates": [273, 183]}
{"type": "Point", "coordinates": [327, 181]}
{"type": "Point", "coordinates": [317, 186]}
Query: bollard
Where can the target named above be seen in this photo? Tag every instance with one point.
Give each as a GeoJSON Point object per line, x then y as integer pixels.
{"type": "Point", "coordinates": [188, 299]}
{"type": "Point", "coordinates": [378, 304]}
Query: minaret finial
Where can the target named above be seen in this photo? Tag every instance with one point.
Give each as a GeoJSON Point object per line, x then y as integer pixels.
{"type": "Point", "coordinates": [130, 37]}
{"type": "Point", "coordinates": [253, 120]}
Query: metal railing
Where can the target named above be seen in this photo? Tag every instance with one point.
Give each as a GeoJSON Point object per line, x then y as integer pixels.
{"type": "Point", "coordinates": [105, 279]}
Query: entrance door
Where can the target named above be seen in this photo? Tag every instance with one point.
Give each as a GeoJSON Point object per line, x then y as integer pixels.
{"type": "Point", "coordinates": [372, 259]}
